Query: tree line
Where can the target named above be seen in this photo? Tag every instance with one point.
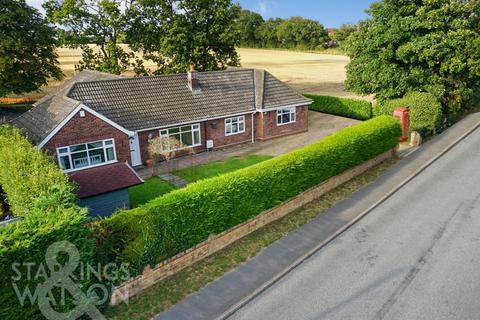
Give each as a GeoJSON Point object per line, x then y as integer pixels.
{"type": "Point", "coordinates": [114, 36]}
{"type": "Point", "coordinates": [292, 33]}
{"type": "Point", "coordinates": [403, 46]}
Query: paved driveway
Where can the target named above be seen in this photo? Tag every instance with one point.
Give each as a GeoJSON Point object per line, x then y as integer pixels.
{"type": "Point", "coordinates": [416, 256]}
{"type": "Point", "coordinates": [320, 125]}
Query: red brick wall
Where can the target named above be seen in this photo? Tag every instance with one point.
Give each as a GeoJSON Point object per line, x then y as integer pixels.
{"type": "Point", "coordinates": [212, 129]}
{"type": "Point", "coordinates": [215, 130]}
{"type": "Point", "coordinates": [267, 124]}
{"type": "Point", "coordinates": [90, 128]}
{"type": "Point", "coordinates": [145, 136]}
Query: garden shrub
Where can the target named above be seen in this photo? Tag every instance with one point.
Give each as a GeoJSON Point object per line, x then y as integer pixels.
{"type": "Point", "coordinates": [183, 218]}
{"type": "Point", "coordinates": [350, 108]}
{"type": "Point", "coordinates": [37, 191]}
{"type": "Point", "coordinates": [426, 115]}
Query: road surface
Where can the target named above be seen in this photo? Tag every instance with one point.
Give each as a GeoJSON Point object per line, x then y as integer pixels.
{"type": "Point", "coordinates": [416, 256]}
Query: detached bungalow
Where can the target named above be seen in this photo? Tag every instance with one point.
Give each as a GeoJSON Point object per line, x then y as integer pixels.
{"type": "Point", "coordinates": [97, 120]}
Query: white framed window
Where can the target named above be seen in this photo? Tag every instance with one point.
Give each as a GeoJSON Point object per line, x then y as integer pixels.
{"type": "Point", "coordinates": [86, 155]}
{"type": "Point", "coordinates": [180, 137]}
{"type": "Point", "coordinates": [234, 125]}
{"type": "Point", "coordinates": [286, 116]}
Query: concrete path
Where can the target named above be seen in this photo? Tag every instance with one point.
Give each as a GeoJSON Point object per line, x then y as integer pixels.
{"type": "Point", "coordinates": [229, 293]}
{"type": "Point", "coordinates": [175, 180]}
{"type": "Point", "coordinates": [320, 125]}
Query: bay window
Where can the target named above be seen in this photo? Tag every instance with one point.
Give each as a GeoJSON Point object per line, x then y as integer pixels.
{"type": "Point", "coordinates": [180, 137]}
{"type": "Point", "coordinates": [285, 116]}
{"type": "Point", "coordinates": [234, 125]}
{"type": "Point", "coordinates": [86, 155]}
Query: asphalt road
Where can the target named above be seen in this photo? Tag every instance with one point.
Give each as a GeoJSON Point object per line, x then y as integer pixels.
{"type": "Point", "coordinates": [416, 256]}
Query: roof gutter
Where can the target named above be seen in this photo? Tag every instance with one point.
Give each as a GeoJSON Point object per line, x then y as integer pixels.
{"type": "Point", "coordinates": [303, 104]}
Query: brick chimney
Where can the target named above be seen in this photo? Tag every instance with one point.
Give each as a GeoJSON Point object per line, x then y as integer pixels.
{"type": "Point", "coordinates": [193, 79]}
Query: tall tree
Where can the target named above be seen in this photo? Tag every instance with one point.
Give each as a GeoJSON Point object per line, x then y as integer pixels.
{"type": "Point", "coordinates": [247, 24]}
{"type": "Point", "coordinates": [268, 31]}
{"type": "Point", "coordinates": [298, 32]}
{"type": "Point", "coordinates": [341, 34]}
{"type": "Point", "coordinates": [178, 33]}
{"type": "Point", "coordinates": [431, 46]}
{"type": "Point", "coordinates": [100, 23]}
{"type": "Point", "coordinates": [27, 49]}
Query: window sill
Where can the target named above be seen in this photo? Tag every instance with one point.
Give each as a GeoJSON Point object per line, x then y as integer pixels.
{"type": "Point", "coordinates": [234, 134]}
{"type": "Point", "coordinates": [284, 124]}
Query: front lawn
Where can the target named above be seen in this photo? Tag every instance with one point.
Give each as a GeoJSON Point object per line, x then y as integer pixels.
{"type": "Point", "coordinates": [151, 189]}
{"type": "Point", "coordinates": [216, 168]}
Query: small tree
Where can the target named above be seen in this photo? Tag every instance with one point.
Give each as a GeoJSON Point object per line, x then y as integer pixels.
{"type": "Point", "coordinates": [163, 148]}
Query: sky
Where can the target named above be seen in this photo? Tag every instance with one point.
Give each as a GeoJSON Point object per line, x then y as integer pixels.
{"type": "Point", "coordinates": [330, 13]}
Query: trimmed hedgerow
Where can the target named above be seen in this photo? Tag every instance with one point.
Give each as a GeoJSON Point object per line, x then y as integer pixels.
{"type": "Point", "coordinates": [350, 108]}
{"type": "Point", "coordinates": [183, 218]}
{"type": "Point", "coordinates": [426, 113]}
{"type": "Point", "coordinates": [26, 175]}
{"type": "Point", "coordinates": [36, 190]}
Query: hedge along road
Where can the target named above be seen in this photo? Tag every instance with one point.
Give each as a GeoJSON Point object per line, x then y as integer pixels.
{"type": "Point", "coordinates": [415, 256]}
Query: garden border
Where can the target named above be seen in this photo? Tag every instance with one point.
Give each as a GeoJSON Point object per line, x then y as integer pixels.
{"type": "Point", "coordinates": [161, 271]}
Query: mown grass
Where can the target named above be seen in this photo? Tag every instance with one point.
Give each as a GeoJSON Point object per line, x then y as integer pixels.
{"type": "Point", "coordinates": [172, 290]}
{"type": "Point", "coordinates": [151, 189]}
{"type": "Point", "coordinates": [217, 168]}
{"type": "Point", "coordinates": [156, 187]}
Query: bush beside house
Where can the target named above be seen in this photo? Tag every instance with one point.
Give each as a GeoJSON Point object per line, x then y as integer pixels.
{"type": "Point", "coordinates": [39, 192]}
{"type": "Point", "coordinates": [349, 108]}
{"type": "Point", "coordinates": [426, 114]}
{"type": "Point", "coordinates": [183, 218]}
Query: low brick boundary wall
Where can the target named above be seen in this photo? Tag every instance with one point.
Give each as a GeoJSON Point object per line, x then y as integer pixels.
{"type": "Point", "coordinates": [163, 270]}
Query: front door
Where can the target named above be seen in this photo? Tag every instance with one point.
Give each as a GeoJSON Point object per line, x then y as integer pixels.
{"type": "Point", "coordinates": [135, 151]}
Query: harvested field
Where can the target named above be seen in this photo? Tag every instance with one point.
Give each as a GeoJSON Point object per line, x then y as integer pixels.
{"type": "Point", "coordinates": [315, 73]}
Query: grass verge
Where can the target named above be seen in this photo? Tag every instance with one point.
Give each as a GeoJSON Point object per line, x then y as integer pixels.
{"type": "Point", "coordinates": [172, 290]}
{"type": "Point", "coordinates": [216, 168]}
{"type": "Point", "coordinates": [151, 189]}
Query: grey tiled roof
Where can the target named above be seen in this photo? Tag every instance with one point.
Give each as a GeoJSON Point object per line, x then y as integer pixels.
{"type": "Point", "coordinates": [52, 109]}
{"type": "Point", "coordinates": [150, 102]}
{"type": "Point", "coordinates": [278, 94]}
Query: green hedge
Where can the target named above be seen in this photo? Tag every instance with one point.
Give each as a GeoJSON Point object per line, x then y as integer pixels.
{"type": "Point", "coordinates": [426, 113]}
{"type": "Point", "coordinates": [350, 108]}
{"type": "Point", "coordinates": [39, 192]}
{"type": "Point", "coordinates": [26, 175]}
{"type": "Point", "coordinates": [183, 218]}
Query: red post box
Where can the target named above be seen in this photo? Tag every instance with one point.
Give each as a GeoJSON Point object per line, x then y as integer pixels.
{"type": "Point", "coordinates": [403, 114]}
